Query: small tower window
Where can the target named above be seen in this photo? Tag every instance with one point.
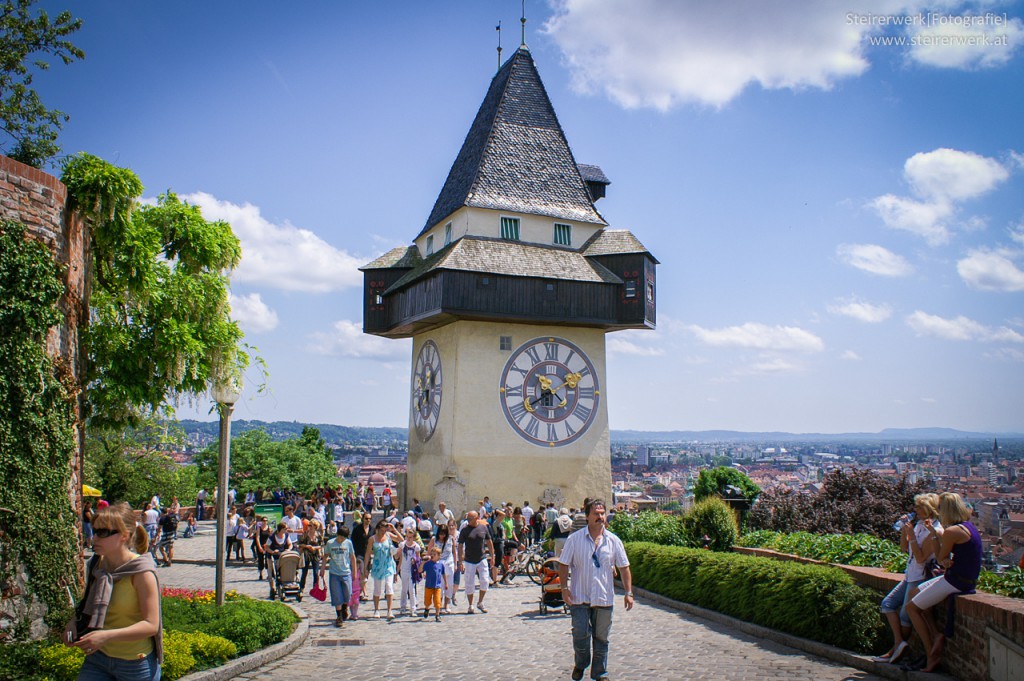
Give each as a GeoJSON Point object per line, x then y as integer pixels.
{"type": "Point", "coordinates": [505, 343]}
{"type": "Point", "coordinates": [430, 244]}
{"type": "Point", "coordinates": [650, 291]}
{"type": "Point", "coordinates": [510, 229]}
{"type": "Point", "coordinates": [447, 234]}
{"type": "Point", "coordinates": [563, 234]}
{"type": "Point", "coordinates": [631, 288]}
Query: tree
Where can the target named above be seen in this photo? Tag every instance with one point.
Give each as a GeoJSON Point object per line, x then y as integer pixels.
{"type": "Point", "coordinates": [850, 501]}
{"type": "Point", "coordinates": [24, 118]}
{"type": "Point", "coordinates": [130, 464]}
{"type": "Point", "coordinates": [257, 462]}
{"type": "Point", "coordinates": [715, 481]}
{"type": "Point", "coordinates": [160, 326]}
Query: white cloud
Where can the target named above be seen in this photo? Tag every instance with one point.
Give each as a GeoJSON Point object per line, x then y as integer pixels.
{"type": "Point", "coordinates": [960, 329]}
{"type": "Point", "coordinates": [281, 256]}
{"type": "Point", "coordinates": [252, 314]}
{"type": "Point", "coordinates": [850, 355]}
{"type": "Point", "coordinates": [991, 270]}
{"type": "Point", "coordinates": [760, 336]}
{"type": "Point", "coordinates": [774, 365]}
{"type": "Point", "coordinates": [919, 217]}
{"type": "Point", "coordinates": [861, 311]}
{"type": "Point", "coordinates": [346, 339]}
{"type": "Point", "coordinates": [952, 42]}
{"type": "Point", "coordinates": [940, 179]}
{"type": "Point", "coordinates": [874, 259]}
{"type": "Point", "coordinates": [621, 344]}
{"type": "Point", "coordinates": [651, 53]}
{"type": "Point", "coordinates": [951, 175]}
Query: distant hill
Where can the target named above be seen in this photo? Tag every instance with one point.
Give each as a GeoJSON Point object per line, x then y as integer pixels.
{"type": "Point", "coordinates": [359, 435]}
{"type": "Point", "coordinates": [887, 435]}
{"type": "Point", "coordinates": [286, 430]}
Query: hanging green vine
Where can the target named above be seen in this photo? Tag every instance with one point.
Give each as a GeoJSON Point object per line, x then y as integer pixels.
{"type": "Point", "coordinates": [37, 430]}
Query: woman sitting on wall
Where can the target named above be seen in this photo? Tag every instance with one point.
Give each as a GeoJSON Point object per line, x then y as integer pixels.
{"type": "Point", "coordinates": [915, 538]}
{"type": "Point", "coordinates": [960, 553]}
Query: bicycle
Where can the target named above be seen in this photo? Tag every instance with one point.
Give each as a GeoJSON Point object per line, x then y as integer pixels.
{"type": "Point", "coordinates": [529, 560]}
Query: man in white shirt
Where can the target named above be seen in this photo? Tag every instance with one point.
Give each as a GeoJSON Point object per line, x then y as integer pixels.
{"type": "Point", "coordinates": [408, 522]}
{"type": "Point", "coordinates": [293, 523]}
{"type": "Point", "coordinates": [442, 515]}
{"type": "Point", "coordinates": [528, 516]}
{"type": "Point", "coordinates": [588, 588]}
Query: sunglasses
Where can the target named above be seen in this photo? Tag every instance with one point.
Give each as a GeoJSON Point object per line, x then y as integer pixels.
{"type": "Point", "coordinates": [104, 532]}
{"type": "Point", "coordinates": [593, 557]}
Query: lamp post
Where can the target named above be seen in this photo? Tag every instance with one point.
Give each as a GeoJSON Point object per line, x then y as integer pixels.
{"type": "Point", "coordinates": [226, 393]}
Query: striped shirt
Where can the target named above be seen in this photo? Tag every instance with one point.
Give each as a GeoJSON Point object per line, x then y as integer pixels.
{"type": "Point", "coordinates": [589, 583]}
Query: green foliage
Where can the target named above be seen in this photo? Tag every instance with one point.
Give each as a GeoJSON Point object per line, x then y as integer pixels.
{"type": "Point", "coordinates": [714, 519]}
{"type": "Point", "coordinates": [713, 481]}
{"type": "Point", "coordinates": [649, 526]}
{"type": "Point", "coordinates": [258, 462]}
{"type": "Point", "coordinates": [37, 427]}
{"type": "Point", "coordinates": [178, 659]}
{"type": "Point", "coordinates": [812, 601]}
{"type": "Point", "coordinates": [672, 507]}
{"type": "Point", "coordinates": [248, 623]}
{"type": "Point", "coordinates": [851, 501]}
{"type": "Point", "coordinates": [863, 550]}
{"type": "Point", "coordinates": [128, 464]}
{"type": "Point", "coordinates": [59, 662]}
{"type": "Point", "coordinates": [161, 326]}
{"type": "Point", "coordinates": [1009, 583]}
{"type": "Point", "coordinates": [15, 658]}
{"type": "Point", "coordinates": [25, 35]}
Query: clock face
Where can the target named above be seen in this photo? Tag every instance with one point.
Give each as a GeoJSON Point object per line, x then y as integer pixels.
{"type": "Point", "coordinates": [426, 390]}
{"type": "Point", "coordinates": [549, 392]}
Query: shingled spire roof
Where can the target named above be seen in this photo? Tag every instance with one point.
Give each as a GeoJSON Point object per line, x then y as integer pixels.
{"type": "Point", "coordinates": [515, 157]}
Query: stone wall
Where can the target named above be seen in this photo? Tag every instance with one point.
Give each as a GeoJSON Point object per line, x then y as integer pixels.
{"type": "Point", "coordinates": [988, 640]}
{"type": "Point", "coordinates": [37, 200]}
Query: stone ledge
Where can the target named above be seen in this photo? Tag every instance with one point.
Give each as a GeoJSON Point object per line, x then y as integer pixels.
{"type": "Point", "coordinates": [812, 647]}
{"type": "Point", "coordinates": [252, 661]}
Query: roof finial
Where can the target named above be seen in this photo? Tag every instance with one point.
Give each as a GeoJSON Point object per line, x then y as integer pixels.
{"type": "Point", "coordinates": [498, 29]}
{"type": "Point", "coordinates": [523, 21]}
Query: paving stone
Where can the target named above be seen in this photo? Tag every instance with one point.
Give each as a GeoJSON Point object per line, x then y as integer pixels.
{"type": "Point", "coordinates": [512, 642]}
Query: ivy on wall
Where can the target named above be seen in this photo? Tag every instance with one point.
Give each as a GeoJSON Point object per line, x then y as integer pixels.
{"type": "Point", "coordinates": [37, 431]}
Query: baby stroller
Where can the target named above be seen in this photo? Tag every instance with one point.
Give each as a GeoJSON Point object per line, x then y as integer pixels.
{"type": "Point", "coordinates": [551, 588]}
{"type": "Point", "coordinates": [284, 576]}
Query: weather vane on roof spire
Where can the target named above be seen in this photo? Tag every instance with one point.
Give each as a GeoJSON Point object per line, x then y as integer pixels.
{"type": "Point", "coordinates": [498, 29]}
{"type": "Point", "coordinates": [523, 21]}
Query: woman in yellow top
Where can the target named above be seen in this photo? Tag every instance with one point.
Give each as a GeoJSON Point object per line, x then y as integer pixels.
{"type": "Point", "coordinates": [123, 601]}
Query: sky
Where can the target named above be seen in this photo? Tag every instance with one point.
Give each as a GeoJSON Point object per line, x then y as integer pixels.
{"type": "Point", "coordinates": [835, 191]}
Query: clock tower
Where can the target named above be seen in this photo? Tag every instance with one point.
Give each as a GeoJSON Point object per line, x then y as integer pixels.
{"type": "Point", "coordinates": [508, 291]}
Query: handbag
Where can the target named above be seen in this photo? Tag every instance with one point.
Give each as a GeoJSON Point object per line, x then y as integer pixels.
{"type": "Point", "coordinates": [932, 568]}
{"type": "Point", "coordinates": [77, 625]}
{"type": "Point", "coordinates": [318, 592]}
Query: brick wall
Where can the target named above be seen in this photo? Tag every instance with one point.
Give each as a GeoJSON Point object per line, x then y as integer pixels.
{"type": "Point", "coordinates": [38, 200]}
{"type": "Point", "coordinates": [967, 653]}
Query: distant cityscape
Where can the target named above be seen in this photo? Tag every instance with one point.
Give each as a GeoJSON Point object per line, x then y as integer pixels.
{"type": "Point", "coordinates": [659, 469]}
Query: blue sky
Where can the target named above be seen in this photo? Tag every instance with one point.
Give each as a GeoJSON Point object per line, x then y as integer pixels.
{"type": "Point", "coordinates": [840, 223]}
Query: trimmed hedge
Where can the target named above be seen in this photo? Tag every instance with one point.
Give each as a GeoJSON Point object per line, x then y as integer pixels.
{"type": "Point", "coordinates": [248, 623]}
{"type": "Point", "coordinates": [862, 550]}
{"type": "Point", "coordinates": [811, 601]}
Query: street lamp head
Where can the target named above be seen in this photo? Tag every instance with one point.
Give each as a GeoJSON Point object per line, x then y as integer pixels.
{"type": "Point", "coordinates": [227, 391]}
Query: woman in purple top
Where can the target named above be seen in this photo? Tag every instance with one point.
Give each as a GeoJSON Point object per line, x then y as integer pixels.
{"type": "Point", "coordinates": [960, 553]}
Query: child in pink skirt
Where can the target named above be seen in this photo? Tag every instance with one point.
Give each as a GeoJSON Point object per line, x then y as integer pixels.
{"type": "Point", "coordinates": [353, 601]}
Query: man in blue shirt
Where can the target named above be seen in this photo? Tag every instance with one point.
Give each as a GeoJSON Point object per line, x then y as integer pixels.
{"type": "Point", "coordinates": [341, 565]}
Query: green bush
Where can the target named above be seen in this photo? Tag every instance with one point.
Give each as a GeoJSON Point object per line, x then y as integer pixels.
{"type": "Point", "coordinates": [1009, 583]}
{"type": "Point", "coordinates": [178, 659]}
{"type": "Point", "coordinates": [712, 518]}
{"type": "Point", "coordinates": [15, 658]}
{"type": "Point", "coordinates": [209, 650]}
{"type": "Point", "coordinates": [649, 526]}
{"type": "Point", "coordinates": [863, 550]}
{"type": "Point", "coordinates": [59, 662]}
{"type": "Point", "coordinates": [812, 601]}
{"type": "Point", "coordinates": [248, 623]}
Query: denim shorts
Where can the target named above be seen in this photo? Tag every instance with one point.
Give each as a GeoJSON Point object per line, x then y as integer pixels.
{"type": "Point", "coordinates": [896, 600]}
{"type": "Point", "coordinates": [341, 589]}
